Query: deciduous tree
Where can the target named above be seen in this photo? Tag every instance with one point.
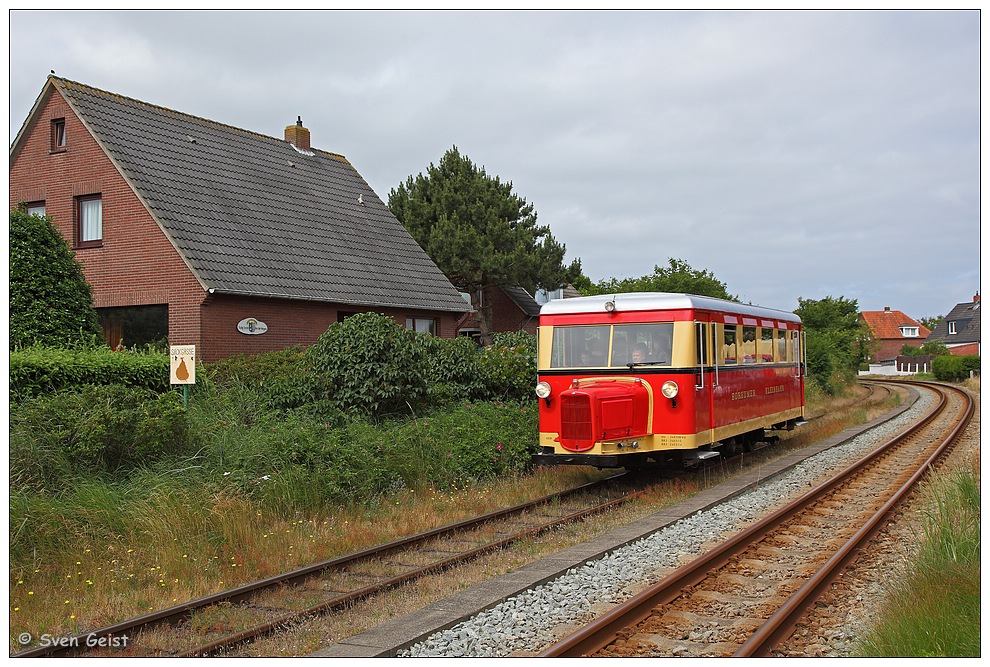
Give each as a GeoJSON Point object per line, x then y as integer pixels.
{"type": "Point", "coordinates": [677, 277]}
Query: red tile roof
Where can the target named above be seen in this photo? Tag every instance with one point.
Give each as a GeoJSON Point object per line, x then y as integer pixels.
{"type": "Point", "coordinates": [886, 325]}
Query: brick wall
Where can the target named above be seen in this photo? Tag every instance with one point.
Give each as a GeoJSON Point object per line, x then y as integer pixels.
{"type": "Point", "coordinates": [136, 264]}
{"type": "Point", "coordinates": [288, 323]}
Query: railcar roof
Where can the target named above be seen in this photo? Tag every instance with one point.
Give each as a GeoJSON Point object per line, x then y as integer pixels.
{"type": "Point", "coordinates": [635, 301]}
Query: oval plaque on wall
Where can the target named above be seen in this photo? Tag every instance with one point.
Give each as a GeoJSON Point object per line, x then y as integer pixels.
{"type": "Point", "coordinates": [252, 327]}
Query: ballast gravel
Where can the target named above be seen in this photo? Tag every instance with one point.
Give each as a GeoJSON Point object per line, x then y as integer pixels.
{"type": "Point", "coordinates": [526, 622]}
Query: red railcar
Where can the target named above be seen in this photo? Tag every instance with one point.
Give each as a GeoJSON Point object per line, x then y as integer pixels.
{"type": "Point", "coordinates": [649, 379]}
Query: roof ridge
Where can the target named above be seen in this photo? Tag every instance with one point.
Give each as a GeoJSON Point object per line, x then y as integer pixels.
{"type": "Point", "coordinates": [66, 84]}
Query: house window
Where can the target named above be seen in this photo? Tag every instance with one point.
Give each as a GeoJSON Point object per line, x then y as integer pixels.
{"type": "Point", "coordinates": [422, 324]}
{"type": "Point", "coordinates": [36, 208]}
{"type": "Point", "coordinates": [135, 326]}
{"type": "Point", "coordinates": [89, 214]}
{"type": "Point", "coordinates": [58, 134]}
{"type": "Point", "coordinates": [952, 327]}
{"type": "Point", "coordinates": [909, 332]}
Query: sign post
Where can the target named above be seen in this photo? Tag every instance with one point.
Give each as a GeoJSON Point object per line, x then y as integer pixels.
{"type": "Point", "coordinates": [182, 368]}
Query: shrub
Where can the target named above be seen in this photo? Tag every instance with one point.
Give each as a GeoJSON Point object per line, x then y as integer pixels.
{"type": "Point", "coordinates": [370, 364]}
{"type": "Point", "coordinates": [39, 370]}
{"type": "Point", "coordinates": [455, 371]}
{"type": "Point", "coordinates": [509, 366]}
{"type": "Point", "coordinates": [258, 370]}
{"type": "Point", "coordinates": [948, 368]}
{"type": "Point", "coordinates": [96, 429]}
{"type": "Point", "coordinates": [50, 300]}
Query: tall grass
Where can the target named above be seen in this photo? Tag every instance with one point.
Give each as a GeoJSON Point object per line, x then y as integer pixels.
{"type": "Point", "coordinates": [935, 612]}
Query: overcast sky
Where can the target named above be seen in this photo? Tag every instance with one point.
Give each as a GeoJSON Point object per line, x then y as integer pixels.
{"type": "Point", "coordinates": [792, 154]}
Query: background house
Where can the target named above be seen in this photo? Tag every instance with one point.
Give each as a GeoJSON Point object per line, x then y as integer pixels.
{"type": "Point", "coordinates": [960, 329]}
{"type": "Point", "coordinates": [214, 236]}
{"type": "Point", "coordinates": [892, 329]}
{"type": "Point", "coordinates": [513, 309]}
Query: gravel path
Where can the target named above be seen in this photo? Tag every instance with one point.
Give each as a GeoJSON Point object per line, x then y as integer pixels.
{"type": "Point", "coordinates": [528, 621]}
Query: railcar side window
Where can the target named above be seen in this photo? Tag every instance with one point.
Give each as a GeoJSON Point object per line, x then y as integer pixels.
{"type": "Point", "coordinates": [727, 353]}
{"type": "Point", "coordinates": [749, 345]}
{"type": "Point", "coordinates": [788, 338]}
{"type": "Point", "coordinates": [645, 344]}
{"type": "Point", "coordinates": [764, 350]}
{"type": "Point", "coordinates": [579, 347]}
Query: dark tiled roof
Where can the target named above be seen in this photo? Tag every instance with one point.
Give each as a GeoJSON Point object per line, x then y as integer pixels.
{"type": "Point", "coordinates": [967, 319]}
{"type": "Point", "coordinates": [251, 214]}
{"type": "Point", "coordinates": [527, 304]}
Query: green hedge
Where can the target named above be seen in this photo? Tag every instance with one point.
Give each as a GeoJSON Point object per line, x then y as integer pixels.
{"type": "Point", "coordinates": [950, 368]}
{"type": "Point", "coordinates": [93, 429]}
{"type": "Point", "coordinates": [35, 371]}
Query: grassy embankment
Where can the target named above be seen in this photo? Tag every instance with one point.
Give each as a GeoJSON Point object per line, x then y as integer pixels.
{"type": "Point", "coordinates": [935, 609]}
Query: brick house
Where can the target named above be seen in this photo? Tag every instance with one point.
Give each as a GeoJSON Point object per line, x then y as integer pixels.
{"type": "Point", "coordinates": [513, 309]}
{"type": "Point", "coordinates": [893, 330]}
{"type": "Point", "coordinates": [960, 329]}
{"type": "Point", "coordinates": [214, 236]}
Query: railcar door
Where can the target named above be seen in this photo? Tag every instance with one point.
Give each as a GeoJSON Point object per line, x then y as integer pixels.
{"type": "Point", "coordinates": [706, 377]}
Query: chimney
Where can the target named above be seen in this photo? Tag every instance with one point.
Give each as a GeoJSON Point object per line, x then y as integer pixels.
{"type": "Point", "coordinates": [886, 309]}
{"type": "Point", "coordinates": [297, 135]}
{"type": "Point", "coordinates": [976, 298]}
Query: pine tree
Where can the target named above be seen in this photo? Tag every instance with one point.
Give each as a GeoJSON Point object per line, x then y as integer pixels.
{"type": "Point", "coordinates": [480, 233]}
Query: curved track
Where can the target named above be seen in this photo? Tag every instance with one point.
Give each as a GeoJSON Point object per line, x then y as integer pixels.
{"type": "Point", "coordinates": [745, 595]}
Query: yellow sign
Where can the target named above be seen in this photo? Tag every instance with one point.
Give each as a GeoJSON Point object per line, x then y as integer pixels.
{"type": "Point", "coordinates": [182, 362]}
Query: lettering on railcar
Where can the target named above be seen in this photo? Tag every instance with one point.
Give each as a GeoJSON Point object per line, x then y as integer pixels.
{"type": "Point", "coordinates": [739, 395]}
{"type": "Point", "coordinates": [776, 389]}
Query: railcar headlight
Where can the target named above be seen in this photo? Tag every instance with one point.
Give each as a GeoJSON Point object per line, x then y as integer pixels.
{"type": "Point", "coordinates": [543, 390]}
{"type": "Point", "coordinates": [669, 389]}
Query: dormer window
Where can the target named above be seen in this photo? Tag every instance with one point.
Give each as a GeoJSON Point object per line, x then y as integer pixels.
{"type": "Point", "coordinates": [952, 328]}
{"type": "Point", "coordinates": [58, 135]}
{"type": "Point", "coordinates": [909, 332]}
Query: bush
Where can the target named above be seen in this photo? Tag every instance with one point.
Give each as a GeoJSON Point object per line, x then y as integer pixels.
{"type": "Point", "coordinates": [509, 365]}
{"type": "Point", "coordinates": [369, 364]}
{"type": "Point", "coordinates": [96, 429]}
{"type": "Point", "coordinates": [50, 301]}
{"type": "Point", "coordinates": [455, 371]}
{"type": "Point", "coordinates": [948, 368]}
{"type": "Point", "coordinates": [40, 370]}
{"type": "Point", "coordinates": [257, 370]}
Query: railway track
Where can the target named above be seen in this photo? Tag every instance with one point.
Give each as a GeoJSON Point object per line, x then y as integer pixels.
{"type": "Point", "coordinates": [746, 594]}
{"type": "Point", "coordinates": [265, 606]}
{"type": "Point", "coordinates": [253, 611]}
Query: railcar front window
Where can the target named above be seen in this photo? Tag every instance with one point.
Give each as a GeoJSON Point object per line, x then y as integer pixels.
{"type": "Point", "coordinates": [642, 344]}
{"type": "Point", "coordinates": [579, 347]}
{"type": "Point", "coordinates": [606, 346]}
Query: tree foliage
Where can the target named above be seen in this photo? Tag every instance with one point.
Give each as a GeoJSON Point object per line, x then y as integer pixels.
{"type": "Point", "coordinates": [837, 340]}
{"type": "Point", "coordinates": [934, 348]}
{"type": "Point", "coordinates": [479, 232]}
{"type": "Point", "coordinates": [50, 301]}
{"type": "Point", "coordinates": [677, 277]}
{"type": "Point", "coordinates": [931, 321]}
